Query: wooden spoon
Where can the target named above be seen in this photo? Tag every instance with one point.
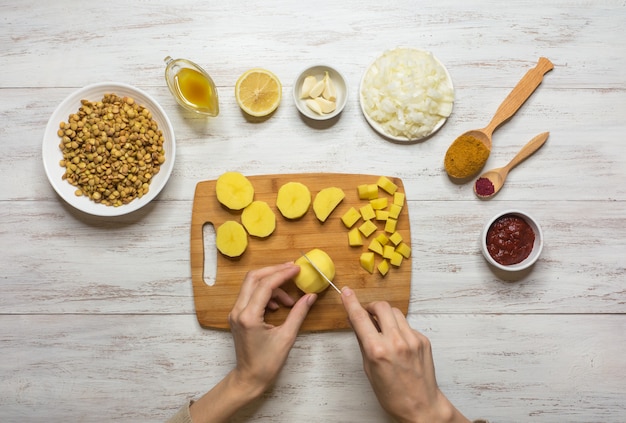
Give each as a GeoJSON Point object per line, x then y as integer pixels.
{"type": "Point", "coordinates": [511, 104]}
{"type": "Point", "coordinates": [498, 176]}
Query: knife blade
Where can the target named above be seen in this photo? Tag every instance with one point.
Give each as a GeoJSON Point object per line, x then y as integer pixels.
{"type": "Point", "coordinates": [317, 269]}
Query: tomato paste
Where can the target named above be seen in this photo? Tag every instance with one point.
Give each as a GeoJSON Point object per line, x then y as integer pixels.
{"type": "Point", "coordinates": [510, 239]}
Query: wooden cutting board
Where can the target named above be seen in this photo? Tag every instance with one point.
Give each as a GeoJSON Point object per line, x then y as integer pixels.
{"type": "Point", "coordinates": [214, 302]}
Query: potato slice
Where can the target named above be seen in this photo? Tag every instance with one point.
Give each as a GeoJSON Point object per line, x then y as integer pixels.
{"type": "Point", "coordinates": [367, 228]}
{"type": "Point", "coordinates": [396, 238]}
{"type": "Point", "coordinates": [259, 219]}
{"type": "Point", "coordinates": [404, 249]}
{"type": "Point", "coordinates": [376, 247]}
{"type": "Point", "coordinates": [379, 203]}
{"type": "Point", "coordinates": [309, 280]}
{"type": "Point", "coordinates": [326, 201]}
{"type": "Point", "coordinates": [293, 200]}
{"type": "Point", "coordinates": [383, 267]}
{"type": "Point", "coordinates": [387, 185]}
{"type": "Point", "coordinates": [367, 261]}
{"type": "Point", "coordinates": [398, 198]}
{"type": "Point", "coordinates": [231, 239]}
{"type": "Point", "coordinates": [350, 217]}
{"type": "Point", "coordinates": [367, 191]}
{"type": "Point", "coordinates": [367, 212]}
{"type": "Point", "coordinates": [234, 190]}
{"type": "Point", "coordinates": [354, 238]}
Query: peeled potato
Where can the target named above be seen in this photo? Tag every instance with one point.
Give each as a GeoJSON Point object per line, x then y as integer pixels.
{"type": "Point", "coordinates": [259, 219]}
{"type": "Point", "coordinates": [309, 280]}
{"type": "Point", "coordinates": [326, 201]}
{"type": "Point", "coordinates": [293, 200]}
{"type": "Point", "coordinates": [231, 238]}
{"type": "Point", "coordinates": [234, 190]}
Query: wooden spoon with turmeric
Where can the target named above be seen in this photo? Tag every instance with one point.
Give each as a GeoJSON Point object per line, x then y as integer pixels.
{"type": "Point", "coordinates": [470, 151]}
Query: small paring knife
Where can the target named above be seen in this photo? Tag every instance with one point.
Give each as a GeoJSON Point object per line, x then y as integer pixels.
{"type": "Point", "coordinates": [317, 269]}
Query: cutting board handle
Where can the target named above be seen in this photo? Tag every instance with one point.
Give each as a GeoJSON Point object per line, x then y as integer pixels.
{"type": "Point", "coordinates": [200, 218]}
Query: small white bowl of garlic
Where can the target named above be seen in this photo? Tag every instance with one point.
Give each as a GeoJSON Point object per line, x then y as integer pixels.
{"type": "Point", "coordinates": [320, 92]}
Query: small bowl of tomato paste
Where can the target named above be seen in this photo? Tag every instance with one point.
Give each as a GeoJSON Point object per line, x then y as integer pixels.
{"type": "Point", "coordinates": [512, 240]}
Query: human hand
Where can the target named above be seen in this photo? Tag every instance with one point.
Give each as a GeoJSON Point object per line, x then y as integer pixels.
{"type": "Point", "coordinates": [261, 348]}
{"type": "Point", "coordinates": [398, 363]}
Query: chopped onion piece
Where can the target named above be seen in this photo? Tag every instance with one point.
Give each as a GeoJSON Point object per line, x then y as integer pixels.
{"type": "Point", "coordinates": [407, 92]}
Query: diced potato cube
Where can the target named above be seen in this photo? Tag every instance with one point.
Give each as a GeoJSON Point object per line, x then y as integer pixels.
{"type": "Point", "coordinates": [367, 212]}
{"type": "Point", "coordinates": [396, 238]}
{"type": "Point", "coordinates": [390, 225]}
{"type": "Point", "coordinates": [379, 203]}
{"type": "Point", "coordinates": [382, 215]}
{"type": "Point", "coordinates": [383, 267]}
{"type": "Point", "coordinates": [398, 199]}
{"type": "Point", "coordinates": [350, 217]}
{"type": "Point", "coordinates": [396, 259]}
{"type": "Point", "coordinates": [368, 228]}
{"type": "Point", "coordinates": [387, 185]}
{"type": "Point", "coordinates": [354, 238]}
{"type": "Point", "coordinates": [394, 211]}
{"type": "Point", "coordinates": [376, 247]}
{"type": "Point", "coordinates": [404, 249]}
{"type": "Point", "coordinates": [382, 238]}
{"type": "Point", "coordinates": [367, 261]}
{"type": "Point", "coordinates": [367, 191]}
{"type": "Point", "coordinates": [388, 251]}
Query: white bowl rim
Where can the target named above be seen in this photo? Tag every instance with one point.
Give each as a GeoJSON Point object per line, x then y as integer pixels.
{"type": "Point", "coordinates": [51, 154]}
{"type": "Point", "coordinates": [300, 102]}
{"type": "Point", "coordinates": [537, 246]}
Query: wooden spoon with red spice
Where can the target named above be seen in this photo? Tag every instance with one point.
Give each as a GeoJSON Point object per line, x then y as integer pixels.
{"type": "Point", "coordinates": [491, 181]}
{"type": "Point", "coordinates": [511, 104]}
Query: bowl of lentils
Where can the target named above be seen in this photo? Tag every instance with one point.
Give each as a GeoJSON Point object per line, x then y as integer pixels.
{"type": "Point", "coordinates": [512, 240]}
{"type": "Point", "coordinates": [108, 149]}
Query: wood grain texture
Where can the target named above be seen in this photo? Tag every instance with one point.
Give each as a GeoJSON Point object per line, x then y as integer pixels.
{"type": "Point", "coordinates": [97, 315]}
{"type": "Point", "coordinates": [292, 236]}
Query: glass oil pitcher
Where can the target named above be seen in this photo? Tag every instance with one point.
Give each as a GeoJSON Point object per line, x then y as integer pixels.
{"type": "Point", "coordinates": [191, 86]}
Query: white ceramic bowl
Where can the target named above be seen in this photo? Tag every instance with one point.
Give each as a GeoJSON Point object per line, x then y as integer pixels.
{"type": "Point", "coordinates": [52, 154]}
{"type": "Point", "coordinates": [380, 128]}
{"type": "Point", "coordinates": [534, 253]}
{"type": "Point", "coordinates": [340, 86]}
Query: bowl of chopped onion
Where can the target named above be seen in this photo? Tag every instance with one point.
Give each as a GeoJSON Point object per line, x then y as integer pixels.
{"type": "Point", "coordinates": [406, 94]}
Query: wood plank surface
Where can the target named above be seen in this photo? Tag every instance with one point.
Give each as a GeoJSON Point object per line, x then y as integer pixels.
{"type": "Point", "coordinates": [97, 315]}
{"type": "Point", "coordinates": [213, 302]}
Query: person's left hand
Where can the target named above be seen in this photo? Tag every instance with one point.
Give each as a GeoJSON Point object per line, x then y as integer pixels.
{"type": "Point", "coordinates": [261, 348]}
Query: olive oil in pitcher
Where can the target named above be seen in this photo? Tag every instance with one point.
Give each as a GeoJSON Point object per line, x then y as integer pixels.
{"type": "Point", "coordinates": [191, 86]}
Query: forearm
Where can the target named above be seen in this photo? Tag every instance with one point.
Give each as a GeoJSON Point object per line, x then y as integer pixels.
{"type": "Point", "coordinates": [440, 410]}
{"type": "Point", "coordinates": [222, 402]}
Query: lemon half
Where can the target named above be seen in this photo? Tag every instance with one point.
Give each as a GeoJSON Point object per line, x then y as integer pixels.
{"type": "Point", "coordinates": [258, 92]}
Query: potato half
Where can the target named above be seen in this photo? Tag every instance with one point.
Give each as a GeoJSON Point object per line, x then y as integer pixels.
{"type": "Point", "coordinates": [309, 280]}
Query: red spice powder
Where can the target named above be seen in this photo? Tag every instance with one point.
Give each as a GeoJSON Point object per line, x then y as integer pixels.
{"type": "Point", "coordinates": [484, 187]}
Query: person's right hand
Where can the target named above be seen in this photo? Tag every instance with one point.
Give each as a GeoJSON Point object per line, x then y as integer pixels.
{"type": "Point", "coordinates": [398, 363]}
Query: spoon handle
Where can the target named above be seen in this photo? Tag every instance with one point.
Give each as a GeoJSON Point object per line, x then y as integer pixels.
{"type": "Point", "coordinates": [524, 88]}
{"type": "Point", "coordinates": [527, 150]}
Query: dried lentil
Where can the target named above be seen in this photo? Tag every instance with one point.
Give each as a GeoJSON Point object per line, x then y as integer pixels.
{"type": "Point", "coordinates": [111, 150]}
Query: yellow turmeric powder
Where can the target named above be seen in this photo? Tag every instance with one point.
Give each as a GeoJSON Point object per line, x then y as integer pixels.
{"type": "Point", "coordinates": [465, 157]}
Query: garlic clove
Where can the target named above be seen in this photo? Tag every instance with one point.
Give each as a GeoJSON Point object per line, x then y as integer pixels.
{"type": "Point", "coordinates": [329, 92]}
{"type": "Point", "coordinates": [317, 89]}
{"type": "Point", "coordinates": [326, 106]}
{"type": "Point", "coordinates": [308, 83]}
{"type": "Point", "coordinates": [315, 106]}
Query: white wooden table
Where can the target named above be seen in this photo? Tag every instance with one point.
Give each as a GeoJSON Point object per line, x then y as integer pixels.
{"type": "Point", "coordinates": [97, 321]}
